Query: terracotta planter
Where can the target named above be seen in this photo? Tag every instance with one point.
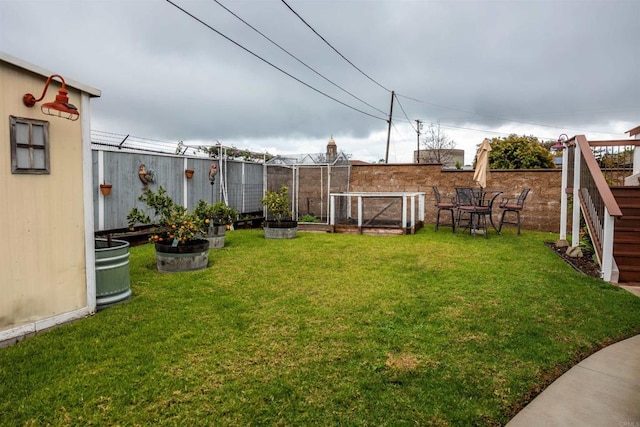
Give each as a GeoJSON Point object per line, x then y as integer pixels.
{"type": "Point", "coordinates": [105, 189]}
{"type": "Point", "coordinates": [189, 173]}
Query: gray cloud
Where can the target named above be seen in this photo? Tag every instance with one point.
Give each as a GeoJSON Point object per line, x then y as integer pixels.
{"type": "Point", "coordinates": [484, 65]}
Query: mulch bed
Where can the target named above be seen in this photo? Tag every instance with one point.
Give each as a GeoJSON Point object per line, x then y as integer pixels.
{"type": "Point", "coordinates": [585, 264]}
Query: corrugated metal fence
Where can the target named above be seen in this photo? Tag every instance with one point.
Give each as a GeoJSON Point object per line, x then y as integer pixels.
{"type": "Point", "coordinates": [239, 183]}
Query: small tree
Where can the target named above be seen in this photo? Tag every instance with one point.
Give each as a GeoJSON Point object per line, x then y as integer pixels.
{"type": "Point", "coordinates": [519, 152]}
{"type": "Point", "coordinates": [438, 145]}
{"type": "Point", "coordinates": [218, 213]}
{"type": "Point", "coordinates": [173, 222]}
{"type": "Point", "coordinates": [277, 202]}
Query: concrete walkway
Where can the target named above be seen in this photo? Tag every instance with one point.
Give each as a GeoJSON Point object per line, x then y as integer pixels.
{"type": "Point", "coordinates": [602, 390]}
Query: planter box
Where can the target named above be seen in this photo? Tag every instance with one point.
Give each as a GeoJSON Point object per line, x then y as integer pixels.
{"type": "Point", "coordinates": [284, 230]}
{"type": "Point", "coordinates": [189, 257]}
{"type": "Point", "coordinates": [215, 236]}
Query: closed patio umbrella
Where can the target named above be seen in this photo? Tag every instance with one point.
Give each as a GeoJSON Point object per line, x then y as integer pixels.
{"type": "Point", "coordinates": [482, 164]}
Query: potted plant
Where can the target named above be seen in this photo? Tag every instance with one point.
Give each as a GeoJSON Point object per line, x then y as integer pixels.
{"type": "Point", "coordinates": [278, 207]}
{"type": "Point", "coordinates": [215, 218]}
{"type": "Point", "coordinates": [178, 237]}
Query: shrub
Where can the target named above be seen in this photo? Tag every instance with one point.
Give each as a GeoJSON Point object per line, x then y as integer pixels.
{"type": "Point", "coordinates": [277, 202]}
{"type": "Point", "coordinates": [174, 224]}
{"type": "Point", "coordinates": [218, 213]}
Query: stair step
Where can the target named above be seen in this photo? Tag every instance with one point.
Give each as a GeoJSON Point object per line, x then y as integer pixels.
{"type": "Point", "coordinates": [629, 268]}
{"type": "Point", "coordinates": [627, 263]}
{"type": "Point", "coordinates": [630, 211]}
{"type": "Point", "coordinates": [628, 276]}
{"type": "Point", "coordinates": [626, 252]}
{"type": "Point", "coordinates": [626, 242]}
{"type": "Point", "coordinates": [627, 227]}
{"type": "Point", "coordinates": [625, 191]}
{"type": "Point", "coordinates": [627, 221]}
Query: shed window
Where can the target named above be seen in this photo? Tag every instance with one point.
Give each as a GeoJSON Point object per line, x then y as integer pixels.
{"type": "Point", "coordinates": [29, 145]}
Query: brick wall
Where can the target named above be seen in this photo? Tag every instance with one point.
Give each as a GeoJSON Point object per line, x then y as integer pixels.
{"type": "Point", "coordinates": [542, 207]}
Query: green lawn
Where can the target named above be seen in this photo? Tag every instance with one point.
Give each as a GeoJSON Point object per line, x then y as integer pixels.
{"type": "Point", "coordinates": [324, 329]}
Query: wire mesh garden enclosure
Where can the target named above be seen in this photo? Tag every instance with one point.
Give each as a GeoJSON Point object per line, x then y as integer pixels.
{"type": "Point", "coordinates": [311, 178]}
{"type": "Point", "coordinates": [377, 212]}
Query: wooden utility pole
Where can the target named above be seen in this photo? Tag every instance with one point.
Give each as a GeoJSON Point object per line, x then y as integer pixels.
{"type": "Point", "coordinates": [386, 157]}
{"type": "Point", "coordinates": [418, 127]}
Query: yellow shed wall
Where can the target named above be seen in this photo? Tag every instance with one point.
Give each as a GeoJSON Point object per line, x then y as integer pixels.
{"type": "Point", "coordinates": [42, 244]}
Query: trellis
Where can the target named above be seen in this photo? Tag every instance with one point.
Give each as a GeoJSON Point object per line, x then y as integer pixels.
{"type": "Point", "coordinates": [310, 179]}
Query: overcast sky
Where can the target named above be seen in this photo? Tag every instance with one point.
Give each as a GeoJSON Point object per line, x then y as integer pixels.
{"type": "Point", "coordinates": [479, 68]}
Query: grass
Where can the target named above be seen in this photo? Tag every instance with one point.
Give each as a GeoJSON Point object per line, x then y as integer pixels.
{"type": "Point", "coordinates": [429, 329]}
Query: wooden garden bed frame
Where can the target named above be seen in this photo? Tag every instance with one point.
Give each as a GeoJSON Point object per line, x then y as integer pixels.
{"type": "Point", "coordinates": [409, 222]}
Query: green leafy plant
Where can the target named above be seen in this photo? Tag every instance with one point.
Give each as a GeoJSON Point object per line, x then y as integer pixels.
{"type": "Point", "coordinates": [519, 152]}
{"type": "Point", "coordinates": [308, 218]}
{"type": "Point", "coordinates": [218, 213]}
{"type": "Point", "coordinates": [277, 203]}
{"type": "Point", "coordinates": [173, 223]}
{"type": "Point", "coordinates": [586, 243]}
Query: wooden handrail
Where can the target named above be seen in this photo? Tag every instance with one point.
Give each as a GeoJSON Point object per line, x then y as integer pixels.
{"type": "Point", "coordinates": [615, 143]}
{"type": "Point", "coordinates": [598, 179]}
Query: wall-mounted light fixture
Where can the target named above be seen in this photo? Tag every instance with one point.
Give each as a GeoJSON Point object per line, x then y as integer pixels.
{"type": "Point", "coordinates": [559, 145]}
{"type": "Point", "coordinates": [60, 107]}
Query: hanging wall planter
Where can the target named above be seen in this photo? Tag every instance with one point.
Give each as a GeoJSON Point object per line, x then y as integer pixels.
{"type": "Point", "coordinates": [105, 189]}
{"type": "Point", "coordinates": [189, 173]}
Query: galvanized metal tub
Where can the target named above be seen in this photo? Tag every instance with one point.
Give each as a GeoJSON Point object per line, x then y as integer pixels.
{"type": "Point", "coordinates": [283, 230]}
{"type": "Point", "coordinates": [192, 256]}
{"type": "Point", "coordinates": [215, 236]}
{"type": "Point", "coordinates": [113, 283]}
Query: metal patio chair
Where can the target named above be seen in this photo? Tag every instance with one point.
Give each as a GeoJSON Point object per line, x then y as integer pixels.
{"type": "Point", "coordinates": [442, 205]}
{"type": "Point", "coordinates": [514, 205]}
{"type": "Point", "coordinates": [470, 210]}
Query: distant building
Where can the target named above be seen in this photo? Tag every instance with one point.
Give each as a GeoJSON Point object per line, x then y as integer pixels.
{"type": "Point", "coordinates": [449, 158]}
{"type": "Point", "coordinates": [332, 151]}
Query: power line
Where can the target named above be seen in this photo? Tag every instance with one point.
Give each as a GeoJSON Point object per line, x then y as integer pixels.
{"type": "Point", "coordinates": [405, 114]}
{"type": "Point", "coordinates": [295, 57]}
{"type": "Point", "coordinates": [334, 49]}
{"type": "Point", "coordinates": [269, 63]}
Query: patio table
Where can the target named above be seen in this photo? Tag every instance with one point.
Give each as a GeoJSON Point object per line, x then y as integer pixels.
{"type": "Point", "coordinates": [477, 203]}
{"type": "Point", "coordinates": [487, 198]}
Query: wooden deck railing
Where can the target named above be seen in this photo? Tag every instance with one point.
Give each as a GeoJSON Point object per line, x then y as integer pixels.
{"type": "Point", "coordinates": [592, 195]}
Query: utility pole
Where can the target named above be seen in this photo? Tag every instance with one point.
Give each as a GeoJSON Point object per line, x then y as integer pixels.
{"type": "Point", "coordinates": [418, 128]}
{"type": "Point", "coordinates": [386, 157]}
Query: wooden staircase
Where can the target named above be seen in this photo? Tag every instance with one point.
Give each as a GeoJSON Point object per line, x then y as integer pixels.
{"type": "Point", "coordinates": [626, 239]}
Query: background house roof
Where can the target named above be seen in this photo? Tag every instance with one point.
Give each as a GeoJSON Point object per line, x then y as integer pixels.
{"type": "Point", "coordinates": [634, 131]}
